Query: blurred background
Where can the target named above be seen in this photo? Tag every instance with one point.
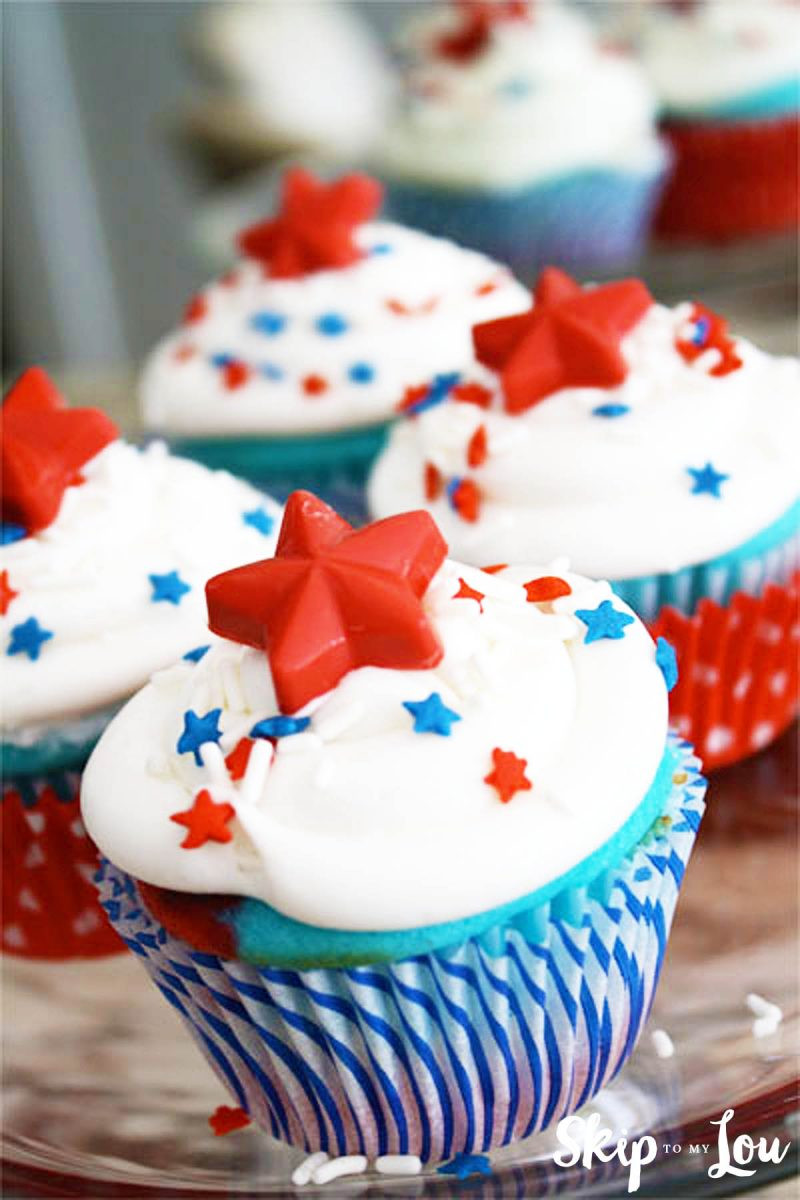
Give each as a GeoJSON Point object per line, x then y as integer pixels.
{"type": "Point", "coordinates": [137, 134]}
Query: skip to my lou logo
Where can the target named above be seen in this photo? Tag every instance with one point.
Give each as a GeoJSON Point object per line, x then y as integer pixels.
{"type": "Point", "coordinates": [584, 1141]}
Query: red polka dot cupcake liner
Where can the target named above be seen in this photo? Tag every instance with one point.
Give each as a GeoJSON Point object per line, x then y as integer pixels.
{"type": "Point", "coordinates": [731, 181]}
{"type": "Point", "coordinates": [739, 670]}
{"type": "Point", "coordinates": [50, 907]}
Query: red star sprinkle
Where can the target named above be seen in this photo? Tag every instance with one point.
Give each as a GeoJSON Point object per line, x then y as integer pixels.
{"type": "Point", "coordinates": [7, 593]}
{"type": "Point", "coordinates": [466, 500]}
{"type": "Point", "coordinates": [486, 289]}
{"type": "Point", "coordinates": [713, 333]}
{"type": "Point", "coordinates": [314, 385]}
{"type": "Point", "coordinates": [235, 374]}
{"type": "Point", "coordinates": [44, 445]}
{"type": "Point", "coordinates": [465, 592]}
{"type": "Point", "coordinates": [478, 448]}
{"type": "Point", "coordinates": [417, 310]}
{"type": "Point", "coordinates": [314, 228]}
{"type": "Point", "coordinates": [183, 353]}
{"type": "Point", "coordinates": [549, 587]}
{"type": "Point", "coordinates": [226, 1120]}
{"type": "Point", "coordinates": [195, 310]}
{"type": "Point", "coordinates": [471, 393]}
{"type": "Point", "coordinates": [494, 568]}
{"type": "Point", "coordinates": [239, 757]}
{"type": "Point", "coordinates": [333, 598]}
{"type": "Point", "coordinates": [412, 396]}
{"type": "Point", "coordinates": [570, 338]}
{"type": "Point", "coordinates": [474, 34]}
{"type": "Point", "coordinates": [434, 483]}
{"type": "Point", "coordinates": [508, 776]}
{"type": "Point", "coordinates": [206, 821]}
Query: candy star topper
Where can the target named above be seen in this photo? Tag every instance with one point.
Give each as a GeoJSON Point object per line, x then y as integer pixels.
{"type": "Point", "coordinates": [314, 228]}
{"type": "Point", "coordinates": [474, 33]}
{"type": "Point", "coordinates": [570, 338]}
{"type": "Point", "coordinates": [44, 445]}
{"type": "Point", "coordinates": [333, 598]}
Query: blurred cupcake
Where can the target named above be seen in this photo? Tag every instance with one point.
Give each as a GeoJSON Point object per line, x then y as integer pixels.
{"type": "Point", "coordinates": [412, 845]}
{"type": "Point", "coordinates": [728, 78]}
{"type": "Point", "coordinates": [105, 552]}
{"type": "Point", "coordinates": [655, 450]}
{"type": "Point", "coordinates": [519, 134]}
{"type": "Point", "coordinates": [288, 368]}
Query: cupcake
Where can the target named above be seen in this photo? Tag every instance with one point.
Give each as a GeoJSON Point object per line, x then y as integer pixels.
{"type": "Point", "coordinates": [106, 549]}
{"type": "Point", "coordinates": [520, 134]}
{"type": "Point", "coordinates": [728, 80]}
{"type": "Point", "coordinates": [289, 368]}
{"type": "Point", "coordinates": [656, 450]}
{"type": "Point", "coordinates": [404, 848]}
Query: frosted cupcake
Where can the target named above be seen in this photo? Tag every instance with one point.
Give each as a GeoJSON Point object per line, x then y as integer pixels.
{"type": "Point", "coordinates": [656, 450]}
{"type": "Point", "coordinates": [728, 79]}
{"type": "Point", "coordinates": [518, 133]}
{"type": "Point", "coordinates": [289, 368]}
{"type": "Point", "coordinates": [406, 901]}
{"type": "Point", "coordinates": [106, 549]}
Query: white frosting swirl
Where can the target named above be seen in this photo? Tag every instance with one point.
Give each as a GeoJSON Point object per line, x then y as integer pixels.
{"type": "Point", "coordinates": [615, 493]}
{"type": "Point", "coordinates": [361, 823]}
{"type": "Point", "coordinates": [390, 321]}
{"type": "Point", "coordinates": [542, 99]}
{"type": "Point", "coordinates": [86, 580]}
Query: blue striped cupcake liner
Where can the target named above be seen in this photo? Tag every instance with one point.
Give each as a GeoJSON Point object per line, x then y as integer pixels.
{"type": "Point", "coordinates": [771, 556]}
{"type": "Point", "coordinates": [454, 1051]}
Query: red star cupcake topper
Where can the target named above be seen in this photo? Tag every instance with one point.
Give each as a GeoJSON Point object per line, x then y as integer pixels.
{"type": "Point", "coordinates": [333, 598]}
{"type": "Point", "coordinates": [570, 338]}
{"type": "Point", "coordinates": [474, 33]}
{"type": "Point", "coordinates": [44, 446]}
{"type": "Point", "coordinates": [314, 228]}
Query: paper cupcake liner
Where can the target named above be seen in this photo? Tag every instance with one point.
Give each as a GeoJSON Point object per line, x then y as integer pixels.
{"type": "Point", "coordinates": [738, 665]}
{"type": "Point", "coordinates": [590, 219]}
{"type": "Point", "coordinates": [61, 747]}
{"type": "Point", "coordinates": [731, 179]}
{"type": "Point", "coordinates": [454, 1051]}
{"type": "Point", "coordinates": [50, 907]}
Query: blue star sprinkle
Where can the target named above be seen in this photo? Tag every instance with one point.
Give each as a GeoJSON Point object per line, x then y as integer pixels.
{"type": "Point", "coordinates": [381, 248]}
{"type": "Point", "coordinates": [605, 621]}
{"type": "Point", "coordinates": [9, 532]}
{"type": "Point", "coordinates": [169, 588]}
{"type": "Point", "coordinates": [667, 662]}
{"type": "Point", "coordinates": [706, 480]}
{"type": "Point", "coordinates": [197, 731]}
{"type": "Point", "coordinates": [438, 392]}
{"type": "Point", "coordinates": [272, 372]}
{"type": "Point", "coordinates": [221, 360]}
{"type": "Point", "coordinates": [278, 727]}
{"type": "Point", "coordinates": [331, 324]}
{"type": "Point", "coordinates": [269, 323]}
{"type": "Point", "coordinates": [361, 372]}
{"type": "Point", "coordinates": [431, 715]}
{"type": "Point", "coordinates": [28, 638]}
{"type": "Point", "coordinates": [260, 520]}
{"type": "Point", "coordinates": [464, 1165]}
{"type": "Point", "coordinates": [610, 410]}
{"type": "Point", "coordinates": [196, 654]}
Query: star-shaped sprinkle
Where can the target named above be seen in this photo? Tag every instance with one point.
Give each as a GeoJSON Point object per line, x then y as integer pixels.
{"type": "Point", "coordinates": [168, 588]}
{"type": "Point", "coordinates": [7, 593]}
{"type": "Point", "coordinates": [225, 1119]}
{"type": "Point", "coordinates": [472, 393]}
{"type": "Point", "coordinates": [235, 374]}
{"type": "Point", "coordinates": [706, 480]}
{"type": "Point", "coordinates": [545, 589]}
{"type": "Point", "coordinates": [708, 331]}
{"type": "Point", "coordinates": [28, 638]}
{"type": "Point", "coordinates": [570, 338]}
{"type": "Point", "coordinates": [333, 599]}
{"type": "Point", "coordinates": [465, 592]}
{"type": "Point", "coordinates": [239, 757]}
{"type": "Point", "coordinates": [44, 444]}
{"type": "Point", "coordinates": [314, 229]}
{"type": "Point", "coordinates": [478, 447]}
{"type": "Point", "coordinates": [464, 1165]}
{"type": "Point", "coordinates": [465, 498]}
{"type": "Point", "coordinates": [433, 481]}
{"type": "Point", "coordinates": [507, 776]}
{"type": "Point", "coordinates": [278, 727]}
{"type": "Point", "coordinates": [494, 568]}
{"type": "Point", "coordinates": [420, 399]}
{"type": "Point", "coordinates": [605, 621]}
{"type": "Point", "coordinates": [314, 385]}
{"type": "Point", "coordinates": [611, 410]}
{"type": "Point", "coordinates": [472, 37]}
{"type": "Point", "coordinates": [198, 730]}
{"type": "Point", "coordinates": [196, 654]}
{"type": "Point", "coordinates": [431, 715]}
{"type": "Point", "coordinates": [206, 821]}
{"type": "Point", "coordinates": [667, 662]}
{"type": "Point", "coordinates": [260, 520]}
{"type": "Point", "coordinates": [195, 310]}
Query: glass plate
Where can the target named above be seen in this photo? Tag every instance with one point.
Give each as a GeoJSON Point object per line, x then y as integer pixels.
{"type": "Point", "coordinates": [106, 1096]}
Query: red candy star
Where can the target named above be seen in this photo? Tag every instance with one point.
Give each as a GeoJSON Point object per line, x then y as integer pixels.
{"type": "Point", "coordinates": [239, 757]}
{"type": "Point", "coordinates": [7, 593]}
{"type": "Point", "coordinates": [712, 334]}
{"type": "Point", "coordinates": [570, 338]}
{"type": "Point", "coordinates": [508, 776]}
{"type": "Point", "coordinates": [314, 228]}
{"type": "Point", "coordinates": [44, 445]}
{"type": "Point", "coordinates": [226, 1119]}
{"type": "Point", "coordinates": [333, 598]}
{"type": "Point", "coordinates": [465, 592]}
{"type": "Point", "coordinates": [206, 821]}
{"type": "Point", "coordinates": [474, 34]}
{"type": "Point", "coordinates": [548, 587]}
